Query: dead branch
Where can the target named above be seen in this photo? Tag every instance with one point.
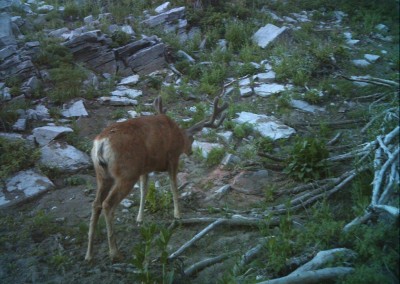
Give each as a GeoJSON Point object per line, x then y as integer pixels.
{"type": "Point", "coordinates": [372, 80]}
{"type": "Point", "coordinates": [324, 257]}
{"type": "Point", "coordinates": [335, 139]}
{"type": "Point", "coordinates": [235, 220]}
{"type": "Point", "coordinates": [337, 124]}
{"type": "Point", "coordinates": [250, 255]}
{"type": "Point", "coordinates": [271, 157]}
{"type": "Point", "coordinates": [195, 238]}
{"type": "Point", "coordinates": [358, 221]}
{"type": "Point", "coordinates": [197, 267]}
{"type": "Point", "coordinates": [313, 276]}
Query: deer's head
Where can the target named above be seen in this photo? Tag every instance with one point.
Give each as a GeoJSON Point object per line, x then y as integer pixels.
{"type": "Point", "coordinates": [211, 122]}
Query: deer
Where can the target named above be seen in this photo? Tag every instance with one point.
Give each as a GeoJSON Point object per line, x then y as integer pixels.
{"type": "Point", "coordinates": [126, 152]}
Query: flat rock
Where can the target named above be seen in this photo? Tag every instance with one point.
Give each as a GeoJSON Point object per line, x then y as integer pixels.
{"type": "Point", "coordinates": [123, 91]}
{"type": "Point", "coordinates": [130, 80]}
{"type": "Point", "coordinates": [371, 57]}
{"type": "Point", "coordinates": [246, 91]}
{"type": "Point", "coordinates": [267, 34]}
{"type": "Point", "coordinates": [165, 17]}
{"type": "Point", "coordinates": [24, 185]}
{"type": "Point", "coordinates": [39, 113]}
{"type": "Point", "coordinates": [305, 106]}
{"type": "Point", "coordinates": [252, 183]}
{"type": "Point", "coordinates": [77, 109]}
{"type": "Point", "coordinates": [64, 157]}
{"type": "Point", "coordinates": [361, 62]}
{"type": "Point", "coordinates": [267, 77]}
{"type": "Point", "coordinates": [205, 147]}
{"type": "Point", "coordinates": [265, 90]}
{"type": "Point", "coordinates": [118, 101]}
{"type": "Point", "coordinates": [45, 134]}
{"type": "Point", "coordinates": [267, 126]}
{"type": "Point", "coordinates": [162, 8]}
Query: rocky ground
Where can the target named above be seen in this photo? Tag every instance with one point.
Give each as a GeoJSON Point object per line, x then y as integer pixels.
{"type": "Point", "coordinates": [45, 210]}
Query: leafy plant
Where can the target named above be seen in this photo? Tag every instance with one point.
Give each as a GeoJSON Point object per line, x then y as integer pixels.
{"type": "Point", "coordinates": [215, 156]}
{"type": "Point", "coordinates": [306, 160]}
{"type": "Point", "coordinates": [16, 155]}
{"type": "Point", "coordinates": [242, 130]}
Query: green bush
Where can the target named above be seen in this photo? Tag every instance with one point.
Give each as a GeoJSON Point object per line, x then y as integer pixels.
{"type": "Point", "coordinates": [15, 155]}
{"type": "Point", "coordinates": [215, 156]}
{"type": "Point", "coordinates": [306, 160]}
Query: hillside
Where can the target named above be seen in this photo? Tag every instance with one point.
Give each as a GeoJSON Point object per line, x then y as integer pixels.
{"type": "Point", "coordinates": [299, 184]}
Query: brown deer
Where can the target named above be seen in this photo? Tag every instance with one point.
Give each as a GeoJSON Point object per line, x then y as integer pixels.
{"type": "Point", "coordinates": [125, 152]}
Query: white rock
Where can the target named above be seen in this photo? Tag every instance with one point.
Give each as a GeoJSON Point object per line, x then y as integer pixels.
{"type": "Point", "coordinates": [244, 82]}
{"type": "Point", "coordinates": [77, 109]}
{"type": "Point", "coordinates": [267, 34]}
{"type": "Point", "coordinates": [25, 184]}
{"type": "Point", "coordinates": [360, 62]}
{"type": "Point", "coordinates": [230, 160]}
{"type": "Point", "coordinates": [267, 77]}
{"type": "Point", "coordinates": [20, 124]}
{"type": "Point", "coordinates": [39, 113]}
{"type": "Point", "coordinates": [127, 29]}
{"type": "Point", "coordinates": [123, 91]}
{"type": "Point", "coordinates": [268, 126]}
{"type": "Point", "coordinates": [131, 80]}
{"type": "Point", "coordinates": [64, 157]}
{"type": "Point", "coordinates": [226, 136]}
{"type": "Point", "coordinates": [205, 147]}
{"type": "Point", "coordinates": [43, 135]}
{"type": "Point", "coordinates": [133, 113]}
{"type": "Point", "coordinates": [127, 203]}
{"type": "Point", "coordinates": [371, 57]}
{"type": "Point", "coordinates": [303, 105]}
{"type": "Point", "coordinates": [162, 8]}
{"type": "Point", "coordinates": [245, 92]}
{"type": "Point", "coordinates": [45, 8]}
{"type": "Point", "coordinates": [265, 90]}
{"type": "Point", "coordinates": [382, 28]}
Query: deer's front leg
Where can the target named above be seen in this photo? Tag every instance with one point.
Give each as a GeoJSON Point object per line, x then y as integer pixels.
{"type": "Point", "coordinates": [144, 180]}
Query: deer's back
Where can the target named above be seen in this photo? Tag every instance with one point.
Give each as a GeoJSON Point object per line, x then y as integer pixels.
{"type": "Point", "coordinates": [145, 143]}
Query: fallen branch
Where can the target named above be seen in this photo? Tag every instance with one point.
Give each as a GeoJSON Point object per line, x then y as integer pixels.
{"type": "Point", "coordinates": [324, 257]}
{"type": "Point", "coordinates": [197, 267]}
{"type": "Point", "coordinates": [314, 276]}
{"type": "Point", "coordinates": [372, 80]}
{"type": "Point", "coordinates": [195, 239]}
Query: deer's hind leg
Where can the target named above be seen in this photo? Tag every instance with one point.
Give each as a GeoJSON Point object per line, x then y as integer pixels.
{"type": "Point", "coordinates": [144, 184]}
{"type": "Point", "coordinates": [119, 191]}
{"type": "Point", "coordinates": [104, 184]}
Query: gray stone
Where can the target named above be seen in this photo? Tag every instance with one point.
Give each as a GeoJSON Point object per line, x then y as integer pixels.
{"type": "Point", "coordinates": [130, 80]}
{"type": "Point", "coordinates": [361, 62]}
{"type": "Point", "coordinates": [45, 8]}
{"type": "Point", "coordinates": [185, 56]}
{"type": "Point", "coordinates": [7, 52]}
{"type": "Point", "coordinates": [267, 126]}
{"type": "Point", "coordinates": [252, 183]}
{"type": "Point", "coordinates": [45, 134]}
{"type": "Point", "coordinates": [64, 157]}
{"type": "Point", "coordinates": [6, 5]}
{"type": "Point", "coordinates": [230, 160]}
{"type": "Point", "coordinates": [304, 106]}
{"type": "Point", "coordinates": [118, 101]}
{"type": "Point", "coordinates": [20, 124]}
{"type": "Point", "coordinates": [24, 185]}
{"type": "Point", "coordinates": [265, 90]}
{"type": "Point", "coordinates": [6, 34]}
{"type": "Point", "coordinates": [246, 92]}
{"type": "Point", "coordinates": [123, 91]}
{"type": "Point", "coordinates": [205, 147]}
{"type": "Point", "coordinates": [148, 59]}
{"type": "Point", "coordinates": [267, 77]}
{"type": "Point", "coordinates": [226, 136]}
{"type": "Point", "coordinates": [31, 85]}
{"type": "Point", "coordinates": [39, 113]}
{"type": "Point", "coordinates": [77, 109]}
{"type": "Point", "coordinates": [162, 8]}
{"type": "Point", "coordinates": [166, 17]}
{"type": "Point", "coordinates": [267, 34]}
{"type": "Point", "coordinates": [371, 57]}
